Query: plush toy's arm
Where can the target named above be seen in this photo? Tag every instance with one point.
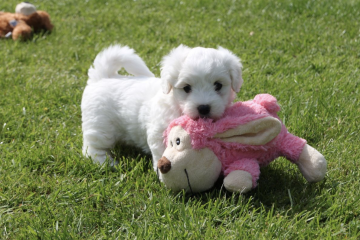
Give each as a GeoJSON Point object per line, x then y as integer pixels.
{"type": "Point", "coordinates": [238, 181]}
{"type": "Point", "coordinates": [242, 175]}
{"type": "Point", "coordinates": [21, 30]}
{"type": "Point", "coordinates": [290, 146]}
{"type": "Point", "coordinates": [312, 164]}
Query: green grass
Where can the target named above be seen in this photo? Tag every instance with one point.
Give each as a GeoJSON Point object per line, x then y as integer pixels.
{"type": "Point", "coordinates": [306, 53]}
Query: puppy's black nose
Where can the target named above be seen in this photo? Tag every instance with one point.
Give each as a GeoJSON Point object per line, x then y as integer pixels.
{"type": "Point", "coordinates": [203, 109]}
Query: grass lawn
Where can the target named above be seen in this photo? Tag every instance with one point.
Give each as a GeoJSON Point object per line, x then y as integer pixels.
{"type": "Point", "coordinates": [304, 52]}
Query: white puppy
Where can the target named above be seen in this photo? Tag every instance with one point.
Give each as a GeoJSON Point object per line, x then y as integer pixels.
{"type": "Point", "coordinates": [136, 110]}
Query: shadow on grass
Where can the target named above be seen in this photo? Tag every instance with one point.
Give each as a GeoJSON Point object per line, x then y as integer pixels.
{"type": "Point", "coordinates": [281, 186]}
{"type": "Point", "coordinates": [129, 157]}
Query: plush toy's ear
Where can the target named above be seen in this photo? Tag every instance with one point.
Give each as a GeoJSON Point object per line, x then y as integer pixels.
{"type": "Point", "coordinates": [235, 67]}
{"type": "Point", "coordinates": [257, 132]}
{"type": "Point", "coordinates": [171, 66]}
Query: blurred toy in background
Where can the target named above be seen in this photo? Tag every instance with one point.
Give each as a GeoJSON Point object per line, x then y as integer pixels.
{"type": "Point", "coordinates": [24, 22]}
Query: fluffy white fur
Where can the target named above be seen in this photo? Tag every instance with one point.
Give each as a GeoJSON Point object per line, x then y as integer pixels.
{"type": "Point", "coordinates": [135, 110]}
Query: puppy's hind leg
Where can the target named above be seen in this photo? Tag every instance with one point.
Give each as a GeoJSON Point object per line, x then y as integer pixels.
{"type": "Point", "coordinates": [98, 147]}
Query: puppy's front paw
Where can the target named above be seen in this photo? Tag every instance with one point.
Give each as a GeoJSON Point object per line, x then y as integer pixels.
{"type": "Point", "coordinates": [238, 181]}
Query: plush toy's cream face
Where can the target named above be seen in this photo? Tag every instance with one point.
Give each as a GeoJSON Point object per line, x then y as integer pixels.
{"type": "Point", "coordinates": [183, 167]}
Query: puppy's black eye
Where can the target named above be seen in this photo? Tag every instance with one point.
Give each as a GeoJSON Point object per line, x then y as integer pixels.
{"type": "Point", "coordinates": [218, 86]}
{"type": "Point", "coordinates": [178, 141]}
{"type": "Point", "coordinates": [187, 88]}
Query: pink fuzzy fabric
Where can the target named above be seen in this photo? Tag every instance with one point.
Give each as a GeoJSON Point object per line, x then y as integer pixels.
{"type": "Point", "coordinates": [236, 156]}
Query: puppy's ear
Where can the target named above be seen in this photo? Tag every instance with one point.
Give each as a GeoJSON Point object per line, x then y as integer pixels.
{"type": "Point", "coordinates": [235, 66]}
{"type": "Point", "coordinates": [171, 66]}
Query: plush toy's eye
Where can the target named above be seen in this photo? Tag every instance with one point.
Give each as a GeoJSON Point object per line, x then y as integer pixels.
{"type": "Point", "coordinates": [218, 86]}
{"type": "Point", "coordinates": [178, 141]}
{"type": "Point", "coordinates": [187, 88]}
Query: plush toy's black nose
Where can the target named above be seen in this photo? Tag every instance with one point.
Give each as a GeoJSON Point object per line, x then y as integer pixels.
{"type": "Point", "coordinates": [164, 165]}
{"type": "Point", "coordinates": [203, 109]}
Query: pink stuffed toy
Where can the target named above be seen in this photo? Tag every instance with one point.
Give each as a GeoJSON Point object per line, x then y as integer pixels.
{"type": "Point", "coordinates": [248, 136]}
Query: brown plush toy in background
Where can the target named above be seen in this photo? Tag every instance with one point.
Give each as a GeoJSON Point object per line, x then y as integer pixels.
{"type": "Point", "coordinates": [25, 21]}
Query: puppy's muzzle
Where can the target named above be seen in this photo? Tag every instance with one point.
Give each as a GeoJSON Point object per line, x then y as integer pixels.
{"type": "Point", "coordinates": [164, 165]}
{"type": "Point", "coordinates": [204, 110]}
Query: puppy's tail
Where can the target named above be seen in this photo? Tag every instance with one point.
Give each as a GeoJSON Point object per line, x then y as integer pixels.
{"type": "Point", "coordinates": [108, 62]}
